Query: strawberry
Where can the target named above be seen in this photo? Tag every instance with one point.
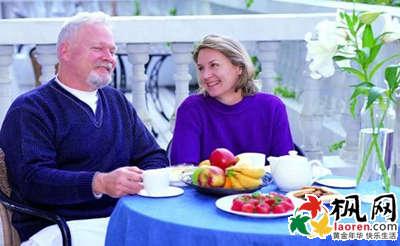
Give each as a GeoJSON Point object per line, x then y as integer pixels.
{"type": "Point", "coordinates": [253, 201]}
{"type": "Point", "coordinates": [248, 208]}
{"type": "Point", "coordinates": [287, 204]}
{"type": "Point", "coordinates": [237, 204]}
{"type": "Point", "coordinates": [263, 208]}
{"type": "Point", "coordinates": [278, 209]}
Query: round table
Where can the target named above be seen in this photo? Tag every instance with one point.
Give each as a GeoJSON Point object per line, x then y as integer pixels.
{"type": "Point", "coordinates": [193, 219]}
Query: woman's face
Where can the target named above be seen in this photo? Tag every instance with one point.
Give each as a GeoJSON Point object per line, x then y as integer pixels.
{"type": "Point", "coordinates": [218, 76]}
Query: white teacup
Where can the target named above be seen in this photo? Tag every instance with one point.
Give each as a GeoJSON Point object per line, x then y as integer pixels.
{"type": "Point", "coordinates": [156, 181]}
{"type": "Point", "coordinates": [257, 159]}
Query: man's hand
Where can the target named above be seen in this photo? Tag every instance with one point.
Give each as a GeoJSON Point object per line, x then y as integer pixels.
{"type": "Point", "coordinates": [120, 182]}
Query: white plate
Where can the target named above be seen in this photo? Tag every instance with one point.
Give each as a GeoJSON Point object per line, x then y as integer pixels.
{"type": "Point", "coordinates": [325, 199]}
{"type": "Point", "coordinates": [171, 191]}
{"type": "Point", "coordinates": [337, 182]}
{"type": "Point", "coordinates": [225, 203]}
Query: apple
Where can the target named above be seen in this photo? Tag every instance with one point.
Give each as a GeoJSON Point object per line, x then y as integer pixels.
{"type": "Point", "coordinates": [195, 175]}
{"type": "Point", "coordinates": [211, 176]}
{"type": "Point", "coordinates": [222, 158]}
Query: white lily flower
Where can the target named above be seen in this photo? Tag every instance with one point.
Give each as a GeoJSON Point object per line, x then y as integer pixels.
{"type": "Point", "coordinates": [392, 26]}
{"type": "Point", "coordinates": [321, 50]}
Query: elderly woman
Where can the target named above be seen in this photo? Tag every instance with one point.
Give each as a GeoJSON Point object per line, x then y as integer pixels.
{"type": "Point", "coordinates": [228, 112]}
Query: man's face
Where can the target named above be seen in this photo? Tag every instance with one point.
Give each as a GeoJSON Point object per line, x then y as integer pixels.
{"type": "Point", "coordinates": [90, 56]}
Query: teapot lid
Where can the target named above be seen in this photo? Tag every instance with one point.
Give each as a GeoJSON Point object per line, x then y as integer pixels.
{"type": "Point", "coordinates": [293, 156]}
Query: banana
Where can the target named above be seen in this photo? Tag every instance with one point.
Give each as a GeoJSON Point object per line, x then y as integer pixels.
{"type": "Point", "coordinates": [255, 173]}
{"type": "Point", "coordinates": [205, 163]}
{"type": "Point", "coordinates": [235, 183]}
{"type": "Point", "coordinates": [246, 181]}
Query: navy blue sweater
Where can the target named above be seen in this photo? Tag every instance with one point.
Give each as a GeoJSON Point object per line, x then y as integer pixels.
{"type": "Point", "coordinates": [54, 144]}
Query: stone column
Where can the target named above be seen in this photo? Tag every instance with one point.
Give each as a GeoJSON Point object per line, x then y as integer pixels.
{"type": "Point", "coordinates": [311, 119]}
{"type": "Point", "coordinates": [267, 55]}
{"type": "Point", "coordinates": [47, 57]}
{"type": "Point", "coordinates": [138, 55]}
{"type": "Point", "coordinates": [6, 95]}
{"type": "Point", "coordinates": [182, 57]}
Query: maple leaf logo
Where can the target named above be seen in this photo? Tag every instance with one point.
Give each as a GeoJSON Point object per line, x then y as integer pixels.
{"type": "Point", "coordinates": [299, 223]}
{"type": "Point", "coordinates": [313, 205]}
{"type": "Point", "coordinates": [321, 227]}
{"type": "Point", "coordinates": [315, 226]}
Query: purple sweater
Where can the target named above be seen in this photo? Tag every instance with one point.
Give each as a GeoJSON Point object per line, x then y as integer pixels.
{"type": "Point", "coordinates": [258, 123]}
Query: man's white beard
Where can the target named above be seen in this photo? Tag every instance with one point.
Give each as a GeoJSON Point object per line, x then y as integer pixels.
{"type": "Point", "coordinates": [98, 81]}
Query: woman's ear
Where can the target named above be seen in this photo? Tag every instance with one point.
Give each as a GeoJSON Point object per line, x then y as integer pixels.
{"type": "Point", "coordinates": [239, 70]}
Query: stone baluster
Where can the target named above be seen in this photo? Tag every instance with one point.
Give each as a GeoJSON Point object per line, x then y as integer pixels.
{"type": "Point", "coordinates": [138, 55]}
{"type": "Point", "coordinates": [311, 119]}
{"type": "Point", "coordinates": [182, 57]}
{"type": "Point", "coordinates": [6, 95]}
{"type": "Point", "coordinates": [267, 55]}
{"type": "Point", "coordinates": [47, 58]}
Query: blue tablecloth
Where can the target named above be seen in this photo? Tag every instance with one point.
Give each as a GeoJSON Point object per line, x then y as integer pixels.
{"type": "Point", "coordinates": [193, 219]}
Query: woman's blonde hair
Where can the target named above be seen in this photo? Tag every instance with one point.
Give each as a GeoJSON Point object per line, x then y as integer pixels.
{"type": "Point", "coordinates": [237, 55]}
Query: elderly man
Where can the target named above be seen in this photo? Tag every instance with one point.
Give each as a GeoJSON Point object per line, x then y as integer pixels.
{"type": "Point", "coordinates": [75, 145]}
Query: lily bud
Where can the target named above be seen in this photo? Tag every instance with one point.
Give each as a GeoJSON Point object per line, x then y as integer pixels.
{"type": "Point", "coordinates": [369, 17]}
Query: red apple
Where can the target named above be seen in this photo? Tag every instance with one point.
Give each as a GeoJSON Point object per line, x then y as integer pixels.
{"type": "Point", "coordinates": [222, 158]}
{"type": "Point", "coordinates": [211, 176]}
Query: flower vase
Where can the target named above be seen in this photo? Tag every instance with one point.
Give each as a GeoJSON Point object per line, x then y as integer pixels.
{"type": "Point", "coordinates": [375, 149]}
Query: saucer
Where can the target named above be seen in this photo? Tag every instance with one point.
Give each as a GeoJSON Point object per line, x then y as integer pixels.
{"type": "Point", "coordinates": [169, 192]}
{"type": "Point", "coordinates": [339, 182]}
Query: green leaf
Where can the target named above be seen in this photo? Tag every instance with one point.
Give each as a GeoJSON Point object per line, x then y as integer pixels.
{"type": "Point", "coordinates": [392, 74]}
{"type": "Point", "coordinates": [173, 11]}
{"type": "Point", "coordinates": [362, 56]}
{"type": "Point", "coordinates": [353, 104]}
{"type": "Point", "coordinates": [364, 84]}
{"type": "Point", "coordinates": [340, 58]}
{"type": "Point", "coordinates": [369, 17]}
{"type": "Point", "coordinates": [377, 66]}
{"type": "Point", "coordinates": [350, 23]}
{"type": "Point", "coordinates": [368, 37]}
{"type": "Point", "coordinates": [374, 51]}
{"type": "Point", "coordinates": [373, 94]}
{"type": "Point", "coordinates": [360, 90]}
{"type": "Point", "coordinates": [249, 3]}
{"type": "Point", "coordinates": [355, 72]}
{"type": "Point", "coordinates": [336, 146]}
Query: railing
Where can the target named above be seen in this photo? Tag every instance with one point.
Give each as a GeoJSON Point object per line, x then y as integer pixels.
{"type": "Point", "coordinates": [318, 115]}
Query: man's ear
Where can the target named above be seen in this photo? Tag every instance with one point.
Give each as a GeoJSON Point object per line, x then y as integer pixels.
{"type": "Point", "coordinates": [64, 51]}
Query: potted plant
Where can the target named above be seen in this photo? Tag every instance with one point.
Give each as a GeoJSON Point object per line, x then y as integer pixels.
{"type": "Point", "coordinates": [351, 45]}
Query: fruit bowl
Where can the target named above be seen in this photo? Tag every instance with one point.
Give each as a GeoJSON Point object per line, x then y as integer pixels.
{"type": "Point", "coordinates": [216, 191]}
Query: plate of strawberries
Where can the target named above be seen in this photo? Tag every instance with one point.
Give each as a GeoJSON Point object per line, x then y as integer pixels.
{"type": "Point", "coordinates": [257, 204]}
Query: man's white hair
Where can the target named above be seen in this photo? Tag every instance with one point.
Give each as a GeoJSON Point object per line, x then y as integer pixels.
{"type": "Point", "coordinates": [72, 25]}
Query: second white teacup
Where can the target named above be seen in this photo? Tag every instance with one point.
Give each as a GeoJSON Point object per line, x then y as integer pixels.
{"type": "Point", "coordinates": [156, 181]}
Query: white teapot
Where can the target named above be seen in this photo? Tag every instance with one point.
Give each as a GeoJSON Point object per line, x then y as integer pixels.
{"type": "Point", "coordinates": [292, 172]}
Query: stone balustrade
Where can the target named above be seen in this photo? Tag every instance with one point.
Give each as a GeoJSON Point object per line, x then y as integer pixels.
{"type": "Point", "coordinates": [318, 115]}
